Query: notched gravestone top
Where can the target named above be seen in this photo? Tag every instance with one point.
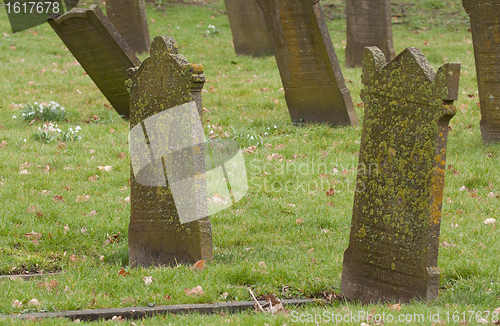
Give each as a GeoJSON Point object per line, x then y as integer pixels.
{"type": "Point", "coordinates": [250, 35]}
{"type": "Point", "coordinates": [368, 23]}
{"type": "Point", "coordinates": [485, 26]}
{"type": "Point", "coordinates": [129, 19]}
{"type": "Point", "coordinates": [393, 245]}
{"type": "Point", "coordinates": [165, 86]}
{"type": "Point", "coordinates": [101, 51]}
{"type": "Point", "coordinates": [314, 86]}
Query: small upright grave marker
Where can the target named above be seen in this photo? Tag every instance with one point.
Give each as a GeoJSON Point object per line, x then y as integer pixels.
{"type": "Point", "coordinates": [250, 36]}
{"type": "Point", "coordinates": [129, 19]}
{"type": "Point", "coordinates": [101, 51]}
{"type": "Point", "coordinates": [393, 244]}
{"type": "Point", "coordinates": [485, 27]}
{"type": "Point", "coordinates": [368, 23]}
{"type": "Point", "coordinates": [314, 86]}
{"type": "Point", "coordinates": [165, 91]}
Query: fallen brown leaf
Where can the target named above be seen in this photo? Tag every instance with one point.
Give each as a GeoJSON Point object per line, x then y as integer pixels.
{"type": "Point", "coordinates": [330, 192]}
{"type": "Point", "coordinates": [82, 197]}
{"type": "Point", "coordinates": [73, 258]}
{"type": "Point", "coordinates": [249, 150]}
{"type": "Point", "coordinates": [194, 291]}
{"type": "Point", "coordinates": [122, 272]}
{"type": "Point", "coordinates": [57, 198]}
{"type": "Point", "coordinates": [93, 178]}
{"type": "Point", "coordinates": [33, 236]}
{"type": "Point", "coordinates": [199, 265]}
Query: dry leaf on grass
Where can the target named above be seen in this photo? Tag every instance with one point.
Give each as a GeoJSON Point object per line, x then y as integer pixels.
{"type": "Point", "coordinates": [34, 302]}
{"type": "Point", "coordinates": [490, 221]}
{"type": "Point", "coordinates": [194, 291]}
{"type": "Point", "coordinates": [82, 197]}
{"type": "Point", "coordinates": [199, 265]}
{"type": "Point", "coordinates": [58, 198]}
{"type": "Point", "coordinates": [122, 272]}
{"type": "Point", "coordinates": [93, 178]}
{"type": "Point", "coordinates": [147, 280]}
{"type": "Point", "coordinates": [73, 258]}
{"type": "Point", "coordinates": [249, 150]}
{"type": "Point", "coordinates": [106, 168]}
{"type": "Point", "coordinates": [330, 192]}
{"type": "Point", "coordinates": [17, 304]}
{"type": "Point", "coordinates": [3, 144]}
{"type": "Point", "coordinates": [33, 236]}
{"type": "Point", "coordinates": [299, 221]}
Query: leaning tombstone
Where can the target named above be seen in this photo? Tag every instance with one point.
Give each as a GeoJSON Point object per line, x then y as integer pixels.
{"type": "Point", "coordinates": [129, 19]}
{"type": "Point", "coordinates": [166, 133]}
{"type": "Point", "coordinates": [485, 27]}
{"type": "Point", "coordinates": [250, 35]}
{"type": "Point", "coordinates": [393, 244]}
{"type": "Point", "coordinates": [314, 86]}
{"type": "Point", "coordinates": [101, 51]}
{"type": "Point", "coordinates": [368, 23]}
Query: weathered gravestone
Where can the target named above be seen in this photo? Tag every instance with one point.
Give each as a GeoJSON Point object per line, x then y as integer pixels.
{"type": "Point", "coordinates": [309, 69]}
{"type": "Point", "coordinates": [129, 19]}
{"type": "Point", "coordinates": [250, 36]}
{"type": "Point", "coordinates": [101, 51]}
{"type": "Point", "coordinates": [393, 245]}
{"type": "Point", "coordinates": [368, 23]}
{"type": "Point", "coordinates": [485, 26]}
{"type": "Point", "coordinates": [163, 91]}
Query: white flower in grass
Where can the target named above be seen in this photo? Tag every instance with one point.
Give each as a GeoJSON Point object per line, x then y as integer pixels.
{"type": "Point", "coordinates": [13, 117]}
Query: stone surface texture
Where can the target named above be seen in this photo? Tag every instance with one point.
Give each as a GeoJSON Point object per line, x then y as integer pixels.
{"type": "Point", "coordinates": [368, 23]}
{"type": "Point", "coordinates": [156, 237]}
{"type": "Point", "coordinates": [101, 51]}
{"type": "Point", "coordinates": [314, 86]}
{"type": "Point", "coordinates": [485, 26]}
{"type": "Point", "coordinates": [393, 245]}
{"type": "Point", "coordinates": [250, 35]}
{"type": "Point", "coordinates": [129, 19]}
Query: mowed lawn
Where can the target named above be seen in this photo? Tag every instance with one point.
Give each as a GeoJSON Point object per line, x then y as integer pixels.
{"type": "Point", "coordinates": [61, 212]}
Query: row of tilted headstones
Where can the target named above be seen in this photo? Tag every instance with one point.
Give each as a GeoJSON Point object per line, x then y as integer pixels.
{"type": "Point", "coordinates": [393, 246]}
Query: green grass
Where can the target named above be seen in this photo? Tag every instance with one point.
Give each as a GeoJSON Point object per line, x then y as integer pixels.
{"type": "Point", "coordinates": [273, 224]}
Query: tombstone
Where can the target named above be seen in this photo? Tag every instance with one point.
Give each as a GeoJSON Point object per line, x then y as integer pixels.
{"type": "Point", "coordinates": [129, 19]}
{"type": "Point", "coordinates": [368, 23]}
{"type": "Point", "coordinates": [250, 35]}
{"type": "Point", "coordinates": [164, 84]}
{"type": "Point", "coordinates": [101, 51]}
{"type": "Point", "coordinates": [485, 27]}
{"type": "Point", "coordinates": [393, 244]}
{"type": "Point", "coordinates": [310, 72]}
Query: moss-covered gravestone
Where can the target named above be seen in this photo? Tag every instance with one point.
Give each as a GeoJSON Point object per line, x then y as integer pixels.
{"type": "Point", "coordinates": [393, 245]}
{"type": "Point", "coordinates": [129, 19]}
{"type": "Point", "coordinates": [314, 86]}
{"type": "Point", "coordinates": [368, 23]}
{"type": "Point", "coordinates": [101, 51]}
{"type": "Point", "coordinates": [485, 26]}
{"type": "Point", "coordinates": [165, 125]}
{"type": "Point", "coordinates": [250, 36]}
